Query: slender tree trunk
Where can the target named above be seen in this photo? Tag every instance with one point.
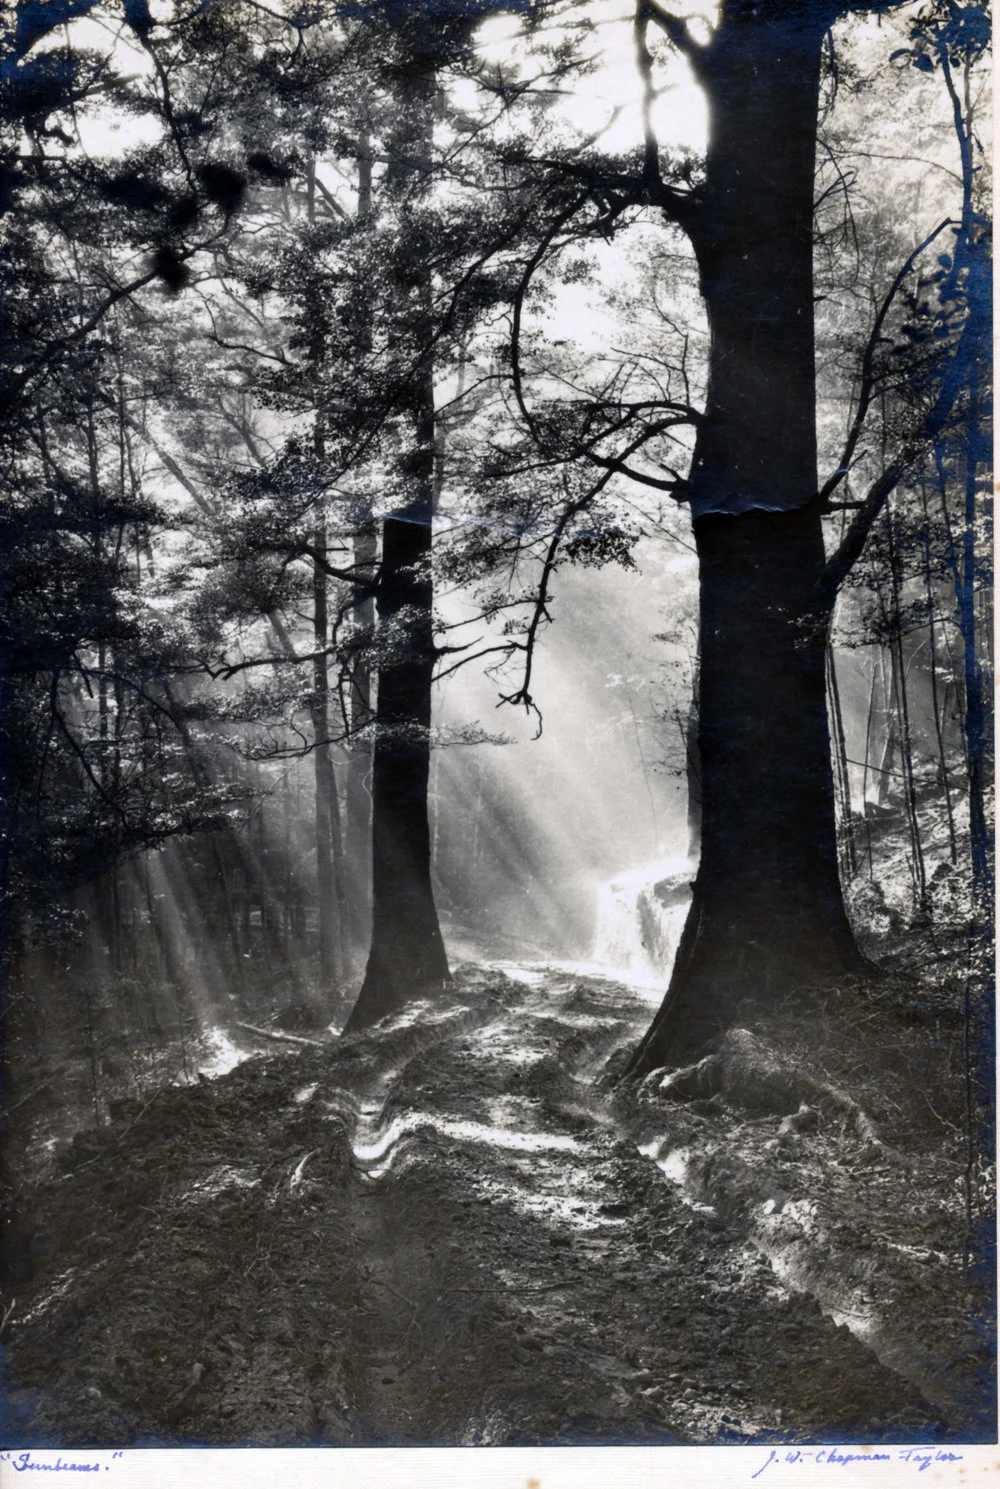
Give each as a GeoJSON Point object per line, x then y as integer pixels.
{"type": "Point", "coordinates": [902, 701]}
{"type": "Point", "coordinates": [890, 726]}
{"type": "Point", "coordinates": [327, 822]}
{"type": "Point", "coordinates": [358, 801]}
{"type": "Point", "coordinates": [358, 808]}
{"type": "Point", "coordinates": [977, 720]}
{"type": "Point", "coordinates": [842, 776]}
{"type": "Point", "coordinates": [876, 658]}
{"type": "Point", "coordinates": [932, 622]}
{"type": "Point", "coordinates": [767, 913]}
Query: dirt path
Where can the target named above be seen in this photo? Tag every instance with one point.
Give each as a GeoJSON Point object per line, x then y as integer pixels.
{"type": "Point", "coordinates": [443, 1234]}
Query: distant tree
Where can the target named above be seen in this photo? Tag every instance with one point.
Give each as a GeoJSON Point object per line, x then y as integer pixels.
{"type": "Point", "coordinates": [89, 747]}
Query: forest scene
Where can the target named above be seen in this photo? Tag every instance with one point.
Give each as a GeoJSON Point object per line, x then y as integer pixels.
{"type": "Point", "coordinates": [496, 748]}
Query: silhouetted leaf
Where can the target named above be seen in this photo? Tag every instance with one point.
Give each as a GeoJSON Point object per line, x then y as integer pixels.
{"type": "Point", "coordinates": [137, 16]}
{"type": "Point", "coordinates": [223, 186]}
{"type": "Point", "coordinates": [171, 268]}
{"type": "Point", "coordinates": [264, 166]}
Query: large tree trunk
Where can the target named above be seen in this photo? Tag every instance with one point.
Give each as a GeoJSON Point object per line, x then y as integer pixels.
{"type": "Point", "coordinates": [767, 915]}
{"type": "Point", "coordinates": [407, 957]}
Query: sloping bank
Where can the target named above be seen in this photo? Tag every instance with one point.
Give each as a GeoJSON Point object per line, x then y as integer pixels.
{"type": "Point", "coordinates": [872, 1230]}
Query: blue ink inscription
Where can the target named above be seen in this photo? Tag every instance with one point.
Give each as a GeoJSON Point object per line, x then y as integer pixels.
{"type": "Point", "coordinates": [924, 1457]}
{"type": "Point", "coordinates": [23, 1462]}
{"type": "Point", "coordinates": [920, 1458]}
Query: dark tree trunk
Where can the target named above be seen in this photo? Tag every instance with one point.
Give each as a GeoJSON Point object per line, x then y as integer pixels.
{"type": "Point", "coordinates": [358, 812]}
{"type": "Point", "coordinates": [407, 957]}
{"type": "Point", "coordinates": [358, 807]}
{"type": "Point", "coordinates": [936, 706]}
{"type": "Point", "coordinates": [902, 702]}
{"type": "Point", "coordinates": [7, 813]}
{"type": "Point", "coordinates": [767, 914]}
{"type": "Point", "coordinates": [329, 874]}
{"type": "Point", "coordinates": [977, 717]}
{"type": "Point", "coordinates": [842, 776]}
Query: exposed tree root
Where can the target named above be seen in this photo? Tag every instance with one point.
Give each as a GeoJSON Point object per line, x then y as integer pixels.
{"type": "Point", "coordinates": [745, 1071]}
{"type": "Point", "coordinates": [281, 1037]}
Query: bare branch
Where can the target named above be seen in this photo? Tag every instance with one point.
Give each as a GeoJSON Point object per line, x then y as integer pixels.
{"type": "Point", "coordinates": [852, 544]}
{"type": "Point", "coordinates": [644, 66]}
{"type": "Point", "coordinates": [678, 33]}
{"type": "Point", "coordinates": [868, 375]}
{"type": "Point", "coordinates": [330, 199]}
{"type": "Point", "coordinates": [850, 548]}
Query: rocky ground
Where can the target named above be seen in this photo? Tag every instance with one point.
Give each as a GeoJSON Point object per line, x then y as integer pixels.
{"type": "Point", "coordinates": [459, 1230]}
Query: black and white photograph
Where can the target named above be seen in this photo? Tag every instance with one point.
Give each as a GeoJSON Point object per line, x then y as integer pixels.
{"type": "Point", "coordinates": [496, 735]}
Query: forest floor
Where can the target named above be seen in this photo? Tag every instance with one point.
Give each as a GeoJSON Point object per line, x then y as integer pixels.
{"type": "Point", "coordinates": [458, 1230]}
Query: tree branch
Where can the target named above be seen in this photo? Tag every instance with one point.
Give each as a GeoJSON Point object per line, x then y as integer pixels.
{"type": "Point", "coordinates": [852, 544]}
{"type": "Point", "coordinates": [868, 375]}
{"type": "Point", "coordinates": [678, 33]}
{"type": "Point", "coordinates": [17, 385]}
{"type": "Point", "coordinates": [518, 310]}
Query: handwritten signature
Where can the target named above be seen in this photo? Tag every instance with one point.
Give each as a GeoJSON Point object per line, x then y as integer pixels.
{"type": "Point", "coordinates": [920, 1458]}
{"type": "Point", "coordinates": [24, 1462]}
